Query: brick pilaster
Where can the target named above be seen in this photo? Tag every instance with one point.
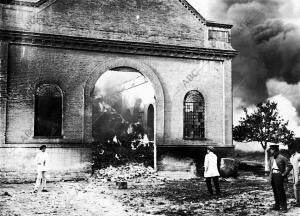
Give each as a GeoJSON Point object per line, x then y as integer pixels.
{"type": "Point", "coordinates": [3, 89]}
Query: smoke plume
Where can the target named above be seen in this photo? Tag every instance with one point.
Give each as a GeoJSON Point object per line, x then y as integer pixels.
{"type": "Point", "coordinates": [266, 34]}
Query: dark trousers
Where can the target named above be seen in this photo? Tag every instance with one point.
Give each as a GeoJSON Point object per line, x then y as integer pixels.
{"type": "Point", "coordinates": [216, 183]}
{"type": "Point", "coordinates": [278, 190]}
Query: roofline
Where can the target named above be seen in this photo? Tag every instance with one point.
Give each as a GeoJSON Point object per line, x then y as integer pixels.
{"type": "Point", "coordinates": [193, 11]}
{"type": "Point", "coordinates": [202, 19]}
{"type": "Point", "coordinates": [221, 25]}
{"type": "Point", "coordinates": [28, 4]}
{"type": "Point", "coordinates": [183, 2]}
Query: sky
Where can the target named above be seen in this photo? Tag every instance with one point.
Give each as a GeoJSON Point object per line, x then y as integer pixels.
{"type": "Point", "coordinates": [266, 34]}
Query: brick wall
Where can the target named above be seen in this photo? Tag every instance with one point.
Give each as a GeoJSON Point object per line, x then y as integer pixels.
{"type": "Point", "coordinates": [17, 164]}
{"type": "Point", "coordinates": [153, 21]}
{"type": "Point", "coordinates": [29, 66]}
{"type": "Point", "coordinates": [3, 88]}
{"type": "Point", "coordinates": [180, 76]}
{"type": "Point", "coordinates": [23, 67]}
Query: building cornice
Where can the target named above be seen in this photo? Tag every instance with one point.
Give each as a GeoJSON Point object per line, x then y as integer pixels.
{"type": "Point", "coordinates": [26, 3]}
{"type": "Point", "coordinates": [219, 25]}
{"type": "Point", "coordinates": [112, 46]}
{"type": "Point", "coordinates": [36, 6]}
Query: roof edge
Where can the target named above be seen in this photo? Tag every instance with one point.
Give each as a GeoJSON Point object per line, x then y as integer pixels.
{"type": "Point", "coordinates": [27, 4]}
{"type": "Point", "coordinates": [216, 24]}
{"type": "Point", "coordinates": [193, 11]}
{"type": "Point", "coordinates": [202, 19]}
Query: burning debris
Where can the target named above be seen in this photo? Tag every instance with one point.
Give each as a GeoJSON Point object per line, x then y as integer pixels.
{"type": "Point", "coordinates": [122, 150]}
{"type": "Point", "coordinates": [118, 140]}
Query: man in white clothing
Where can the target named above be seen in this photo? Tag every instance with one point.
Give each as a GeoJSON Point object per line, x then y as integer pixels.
{"type": "Point", "coordinates": [295, 160]}
{"type": "Point", "coordinates": [41, 160]}
{"type": "Point", "coordinates": [211, 170]}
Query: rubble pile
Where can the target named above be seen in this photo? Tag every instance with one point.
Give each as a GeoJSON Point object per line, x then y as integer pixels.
{"type": "Point", "coordinates": [125, 172]}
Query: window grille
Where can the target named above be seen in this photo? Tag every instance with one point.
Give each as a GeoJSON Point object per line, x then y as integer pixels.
{"type": "Point", "coordinates": [194, 116]}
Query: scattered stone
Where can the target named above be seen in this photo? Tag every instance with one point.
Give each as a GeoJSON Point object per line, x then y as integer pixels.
{"type": "Point", "coordinates": [125, 172]}
{"type": "Point", "coordinates": [6, 194]}
{"type": "Point", "coordinates": [229, 167]}
{"type": "Point", "coordinates": [121, 184]}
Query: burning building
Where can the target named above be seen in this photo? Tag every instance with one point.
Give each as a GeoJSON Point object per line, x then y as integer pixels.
{"type": "Point", "coordinates": [54, 52]}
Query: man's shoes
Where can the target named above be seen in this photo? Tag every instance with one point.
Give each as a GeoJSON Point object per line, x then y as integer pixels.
{"type": "Point", "coordinates": [284, 210]}
{"type": "Point", "coordinates": [45, 190]}
{"type": "Point", "coordinates": [275, 208]}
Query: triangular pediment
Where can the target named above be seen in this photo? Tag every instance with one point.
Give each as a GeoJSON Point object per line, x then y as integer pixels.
{"type": "Point", "coordinates": [152, 21]}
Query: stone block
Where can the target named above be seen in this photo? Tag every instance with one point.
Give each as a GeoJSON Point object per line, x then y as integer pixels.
{"type": "Point", "coordinates": [229, 167]}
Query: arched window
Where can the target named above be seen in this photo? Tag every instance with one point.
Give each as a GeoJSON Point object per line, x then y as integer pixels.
{"type": "Point", "coordinates": [193, 116]}
{"type": "Point", "coordinates": [48, 111]}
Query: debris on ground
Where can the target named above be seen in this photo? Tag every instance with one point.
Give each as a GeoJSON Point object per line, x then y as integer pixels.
{"type": "Point", "coordinates": [6, 194]}
{"type": "Point", "coordinates": [124, 172]}
{"type": "Point", "coordinates": [147, 194]}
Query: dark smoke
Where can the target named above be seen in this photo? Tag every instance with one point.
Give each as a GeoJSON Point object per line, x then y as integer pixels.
{"type": "Point", "coordinates": [269, 48]}
{"type": "Point", "coordinates": [270, 29]}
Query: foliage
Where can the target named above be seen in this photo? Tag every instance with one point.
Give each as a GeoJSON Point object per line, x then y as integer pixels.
{"type": "Point", "coordinates": [264, 125]}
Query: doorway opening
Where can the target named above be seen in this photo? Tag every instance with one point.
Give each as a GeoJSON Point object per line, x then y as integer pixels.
{"type": "Point", "coordinates": [122, 126]}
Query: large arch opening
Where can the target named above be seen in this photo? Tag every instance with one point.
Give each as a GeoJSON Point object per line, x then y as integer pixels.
{"type": "Point", "coordinates": [120, 65]}
{"type": "Point", "coordinates": [119, 98]}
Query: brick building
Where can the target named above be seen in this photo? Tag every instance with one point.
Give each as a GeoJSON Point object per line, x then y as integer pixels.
{"type": "Point", "coordinates": [53, 52]}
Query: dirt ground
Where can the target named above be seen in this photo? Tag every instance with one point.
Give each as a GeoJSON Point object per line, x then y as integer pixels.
{"type": "Point", "coordinates": [246, 195]}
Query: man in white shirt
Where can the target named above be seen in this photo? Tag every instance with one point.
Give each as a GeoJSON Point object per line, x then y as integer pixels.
{"type": "Point", "coordinates": [41, 160]}
{"type": "Point", "coordinates": [295, 160]}
{"type": "Point", "coordinates": [211, 170]}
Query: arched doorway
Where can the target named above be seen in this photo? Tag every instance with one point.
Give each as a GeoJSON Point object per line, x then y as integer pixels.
{"type": "Point", "coordinates": [143, 69]}
{"type": "Point", "coordinates": [119, 97]}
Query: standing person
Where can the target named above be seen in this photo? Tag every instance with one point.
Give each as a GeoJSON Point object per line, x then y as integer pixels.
{"type": "Point", "coordinates": [41, 160]}
{"type": "Point", "coordinates": [211, 170]}
{"type": "Point", "coordinates": [295, 160]}
{"type": "Point", "coordinates": [280, 167]}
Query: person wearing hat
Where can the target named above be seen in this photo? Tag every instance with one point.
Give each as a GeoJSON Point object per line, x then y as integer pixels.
{"type": "Point", "coordinates": [41, 160]}
{"type": "Point", "coordinates": [295, 160]}
{"type": "Point", "coordinates": [280, 167]}
{"type": "Point", "coordinates": [211, 171]}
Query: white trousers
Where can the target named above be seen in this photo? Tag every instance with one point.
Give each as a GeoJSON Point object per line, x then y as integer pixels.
{"type": "Point", "coordinates": [41, 179]}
